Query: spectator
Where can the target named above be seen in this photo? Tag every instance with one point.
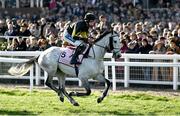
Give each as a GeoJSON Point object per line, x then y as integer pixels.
{"type": "Point", "coordinates": [157, 72]}
{"type": "Point", "coordinates": [159, 48]}
{"type": "Point", "coordinates": [22, 44]}
{"type": "Point", "coordinates": [28, 42]}
{"type": "Point", "coordinates": [52, 40]}
{"type": "Point", "coordinates": [145, 49]}
{"type": "Point", "coordinates": [154, 34]}
{"type": "Point", "coordinates": [124, 46]}
{"type": "Point", "coordinates": [43, 44]}
{"type": "Point", "coordinates": [16, 27]}
{"type": "Point", "coordinates": [43, 26]}
{"type": "Point", "coordinates": [24, 31]}
{"type": "Point", "coordinates": [173, 48]}
{"type": "Point", "coordinates": [33, 46]}
{"type": "Point", "coordinates": [10, 31]}
{"type": "Point", "coordinates": [51, 30]}
{"type": "Point", "coordinates": [103, 25]}
{"type": "Point", "coordinates": [138, 27]}
{"type": "Point", "coordinates": [59, 42]}
{"type": "Point", "coordinates": [179, 33]}
{"type": "Point", "coordinates": [2, 27]}
{"type": "Point", "coordinates": [34, 30]}
{"type": "Point", "coordinates": [150, 40]}
{"type": "Point", "coordinates": [14, 45]}
{"type": "Point", "coordinates": [132, 47]}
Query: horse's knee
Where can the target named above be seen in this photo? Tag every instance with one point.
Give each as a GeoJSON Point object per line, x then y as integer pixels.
{"type": "Point", "coordinates": [88, 92]}
{"type": "Point", "coordinates": [108, 82]}
{"type": "Point", "coordinates": [48, 84]}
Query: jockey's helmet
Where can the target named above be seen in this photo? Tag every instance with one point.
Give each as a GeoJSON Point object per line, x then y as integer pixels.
{"type": "Point", "coordinates": [89, 17]}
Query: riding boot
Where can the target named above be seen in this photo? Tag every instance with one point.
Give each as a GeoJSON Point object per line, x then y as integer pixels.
{"type": "Point", "coordinates": [78, 51]}
{"type": "Point", "coordinates": [74, 59]}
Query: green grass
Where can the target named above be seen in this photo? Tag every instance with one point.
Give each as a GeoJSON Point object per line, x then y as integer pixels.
{"type": "Point", "coordinates": [45, 102]}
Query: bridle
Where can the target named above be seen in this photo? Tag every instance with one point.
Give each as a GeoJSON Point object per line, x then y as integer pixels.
{"type": "Point", "coordinates": [110, 47]}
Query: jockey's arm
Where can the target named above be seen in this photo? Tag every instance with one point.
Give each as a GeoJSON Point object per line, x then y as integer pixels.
{"type": "Point", "coordinates": [80, 32]}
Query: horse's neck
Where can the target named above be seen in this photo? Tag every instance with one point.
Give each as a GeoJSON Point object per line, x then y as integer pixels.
{"type": "Point", "coordinates": [96, 51]}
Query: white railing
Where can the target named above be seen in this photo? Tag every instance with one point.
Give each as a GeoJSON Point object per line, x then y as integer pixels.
{"type": "Point", "coordinates": [128, 64]}
{"type": "Point", "coordinates": [7, 38]}
{"type": "Point", "coordinates": [112, 63]}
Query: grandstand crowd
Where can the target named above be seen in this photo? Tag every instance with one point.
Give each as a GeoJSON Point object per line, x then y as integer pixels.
{"type": "Point", "coordinates": [140, 30]}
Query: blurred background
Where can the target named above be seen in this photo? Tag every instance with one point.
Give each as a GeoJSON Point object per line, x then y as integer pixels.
{"type": "Point", "coordinates": [117, 10]}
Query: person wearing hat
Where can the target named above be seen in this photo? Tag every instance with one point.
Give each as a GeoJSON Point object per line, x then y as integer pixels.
{"type": "Point", "coordinates": [77, 35]}
{"type": "Point", "coordinates": [158, 48]}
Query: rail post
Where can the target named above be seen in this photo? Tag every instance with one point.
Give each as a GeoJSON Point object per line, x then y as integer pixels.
{"type": "Point", "coordinates": [113, 76]}
{"type": "Point", "coordinates": [175, 74]}
{"type": "Point", "coordinates": [126, 73]}
{"type": "Point", "coordinates": [38, 71]}
{"type": "Point", "coordinates": [31, 78]}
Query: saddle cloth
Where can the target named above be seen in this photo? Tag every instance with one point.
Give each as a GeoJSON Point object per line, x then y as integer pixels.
{"type": "Point", "coordinates": [66, 55]}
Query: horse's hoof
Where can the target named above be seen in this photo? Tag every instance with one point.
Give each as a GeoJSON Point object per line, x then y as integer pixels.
{"type": "Point", "coordinates": [72, 93]}
{"type": "Point", "coordinates": [99, 100]}
{"type": "Point", "coordinates": [61, 99]}
{"type": "Point", "coordinates": [75, 104]}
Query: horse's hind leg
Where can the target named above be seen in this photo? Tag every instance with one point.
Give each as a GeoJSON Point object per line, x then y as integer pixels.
{"type": "Point", "coordinates": [61, 78]}
{"type": "Point", "coordinates": [101, 78]}
{"type": "Point", "coordinates": [86, 85]}
{"type": "Point", "coordinates": [61, 81]}
{"type": "Point", "coordinates": [61, 96]}
{"type": "Point", "coordinates": [49, 83]}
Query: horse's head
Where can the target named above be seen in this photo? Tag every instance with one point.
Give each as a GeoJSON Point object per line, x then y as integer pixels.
{"type": "Point", "coordinates": [109, 40]}
{"type": "Point", "coordinates": [114, 45]}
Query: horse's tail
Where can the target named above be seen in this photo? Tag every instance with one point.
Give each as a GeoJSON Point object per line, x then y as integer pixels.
{"type": "Point", "coordinates": [22, 68]}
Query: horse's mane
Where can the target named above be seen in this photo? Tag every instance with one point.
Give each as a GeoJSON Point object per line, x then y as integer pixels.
{"type": "Point", "coordinates": [102, 35]}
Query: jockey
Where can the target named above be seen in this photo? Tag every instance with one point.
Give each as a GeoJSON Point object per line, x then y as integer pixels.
{"type": "Point", "coordinates": [77, 35]}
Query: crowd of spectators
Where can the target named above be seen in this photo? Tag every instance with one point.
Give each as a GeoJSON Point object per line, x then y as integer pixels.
{"type": "Point", "coordinates": [141, 30]}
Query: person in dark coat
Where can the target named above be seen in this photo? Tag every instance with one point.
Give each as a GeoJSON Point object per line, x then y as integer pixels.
{"type": "Point", "coordinates": [24, 31]}
{"type": "Point", "coordinates": [145, 49]}
{"type": "Point", "coordinates": [133, 47]}
{"type": "Point", "coordinates": [33, 46]}
{"type": "Point", "coordinates": [22, 44]}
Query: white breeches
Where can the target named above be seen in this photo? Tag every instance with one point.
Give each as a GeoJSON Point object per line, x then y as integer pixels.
{"type": "Point", "coordinates": [69, 39]}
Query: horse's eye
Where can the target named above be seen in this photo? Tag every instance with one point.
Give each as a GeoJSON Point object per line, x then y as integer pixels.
{"type": "Point", "coordinates": [115, 41]}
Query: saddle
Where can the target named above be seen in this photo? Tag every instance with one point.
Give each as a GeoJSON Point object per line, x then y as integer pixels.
{"type": "Point", "coordinates": [67, 53]}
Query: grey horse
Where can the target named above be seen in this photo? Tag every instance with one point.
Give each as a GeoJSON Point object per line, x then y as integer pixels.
{"type": "Point", "coordinates": [91, 67]}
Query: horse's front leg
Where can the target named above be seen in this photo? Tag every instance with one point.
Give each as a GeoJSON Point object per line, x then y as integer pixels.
{"type": "Point", "coordinates": [68, 96]}
{"type": "Point", "coordinates": [86, 85]}
{"type": "Point", "coordinates": [101, 78]}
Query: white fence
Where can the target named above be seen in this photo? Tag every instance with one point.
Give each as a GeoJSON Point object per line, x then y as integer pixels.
{"type": "Point", "coordinates": [132, 68]}
{"type": "Point", "coordinates": [7, 38]}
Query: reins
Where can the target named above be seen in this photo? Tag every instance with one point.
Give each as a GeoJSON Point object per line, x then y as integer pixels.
{"type": "Point", "coordinates": [105, 47]}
